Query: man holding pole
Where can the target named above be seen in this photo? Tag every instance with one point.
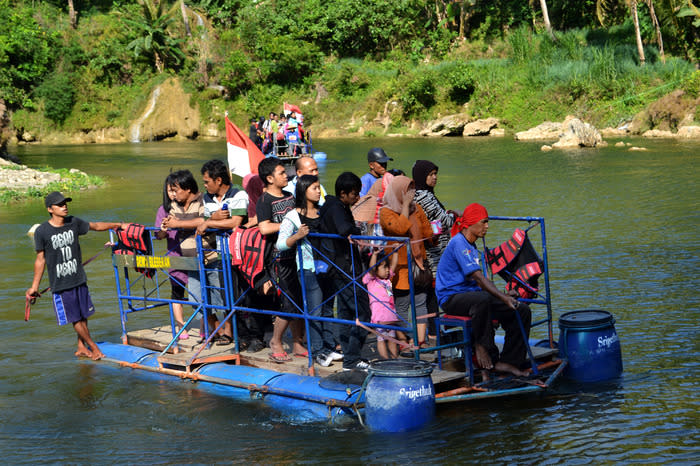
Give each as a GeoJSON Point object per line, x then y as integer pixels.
{"type": "Point", "coordinates": [58, 249]}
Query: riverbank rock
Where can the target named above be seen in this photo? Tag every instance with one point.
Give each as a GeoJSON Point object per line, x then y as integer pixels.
{"type": "Point", "coordinates": [451, 125]}
{"type": "Point", "coordinates": [620, 132]}
{"type": "Point", "coordinates": [688, 132]}
{"type": "Point", "coordinates": [167, 115]}
{"type": "Point", "coordinates": [546, 130]}
{"type": "Point", "coordinates": [657, 133]}
{"type": "Point", "coordinates": [480, 127]}
{"type": "Point", "coordinates": [20, 178]}
{"type": "Point", "coordinates": [576, 133]}
{"type": "Point", "coordinates": [672, 111]}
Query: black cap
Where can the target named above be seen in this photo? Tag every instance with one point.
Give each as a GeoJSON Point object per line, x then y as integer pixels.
{"type": "Point", "coordinates": [377, 154]}
{"type": "Point", "coordinates": [55, 198]}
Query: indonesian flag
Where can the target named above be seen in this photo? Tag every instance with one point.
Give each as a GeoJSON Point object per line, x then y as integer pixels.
{"type": "Point", "coordinates": [243, 155]}
{"type": "Point", "coordinates": [289, 108]}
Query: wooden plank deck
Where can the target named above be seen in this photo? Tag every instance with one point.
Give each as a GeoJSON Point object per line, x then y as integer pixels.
{"type": "Point", "coordinates": [158, 338]}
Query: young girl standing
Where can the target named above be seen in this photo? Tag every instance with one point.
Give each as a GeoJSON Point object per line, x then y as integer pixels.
{"type": "Point", "coordinates": [381, 301]}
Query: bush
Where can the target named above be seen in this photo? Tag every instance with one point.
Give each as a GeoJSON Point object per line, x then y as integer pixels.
{"type": "Point", "coordinates": [237, 73]}
{"type": "Point", "coordinates": [418, 94]}
{"type": "Point", "coordinates": [349, 79]}
{"type": "Point", "coordinates": [461, 84]}
{"type": "Point", "coordinates": [59, 97]}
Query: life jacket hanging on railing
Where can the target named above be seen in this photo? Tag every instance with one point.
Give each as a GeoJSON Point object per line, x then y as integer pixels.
{"type": "Point", "coordinates": [135, 240]}
{"type": "Point", "coordinates": [247, 247]}
{"type": "Point", "coordinates": [517, 258]}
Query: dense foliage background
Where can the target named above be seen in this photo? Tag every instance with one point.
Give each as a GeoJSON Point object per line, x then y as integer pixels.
{"type": "Point", "coordinates": [78, 65]}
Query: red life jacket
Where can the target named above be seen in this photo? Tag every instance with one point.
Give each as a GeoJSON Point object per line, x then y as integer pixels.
{"type": "Point", "coordinates": [135, 240]}
{"type": "Point", "coordinates": [517, 258]}
{"type": "Point", "coordinates": [247, 247]}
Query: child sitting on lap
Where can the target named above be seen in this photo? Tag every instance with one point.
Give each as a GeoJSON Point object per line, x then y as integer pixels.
{"type": "Point", "coordinates": [381, 301]}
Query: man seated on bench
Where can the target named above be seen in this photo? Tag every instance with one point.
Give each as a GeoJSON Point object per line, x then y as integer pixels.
{"type": "Point", "coordinates": [463, 290]}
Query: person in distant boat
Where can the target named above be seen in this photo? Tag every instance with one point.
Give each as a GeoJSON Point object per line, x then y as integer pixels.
{"type": "Point", "coordinates": [58, 249]}
{"type": "Point", "coordinates": [462, 289]}
{"type": "Point", "coordinates": [377, 159]}
{"type": "Point", "coordinates": [336, 217]}
{"type": "Point", "coordinates": [272, 206]}
{"type": "Point", "coordinates": [305, 165]}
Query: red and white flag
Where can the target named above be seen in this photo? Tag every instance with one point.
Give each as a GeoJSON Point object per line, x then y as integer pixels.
{"type": "Point", "coordinates": [288, 108]}
{"type": "Point", "coordinates": [243, 155]}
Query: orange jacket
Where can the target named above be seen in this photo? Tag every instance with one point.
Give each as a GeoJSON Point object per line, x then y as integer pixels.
{"type": "Point", "coordinates": [394, 224]}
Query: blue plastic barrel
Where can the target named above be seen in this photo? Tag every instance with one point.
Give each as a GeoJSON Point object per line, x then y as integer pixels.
{"type": "Point", "coordinates": [400, 395]}
{"type": "Point", "coordinates": [320, 156]}
{"type": "Point", "coordinates": [589, 341]}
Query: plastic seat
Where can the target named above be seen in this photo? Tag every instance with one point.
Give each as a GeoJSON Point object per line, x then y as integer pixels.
{"type": "Point", "coordinates": [465, 323]}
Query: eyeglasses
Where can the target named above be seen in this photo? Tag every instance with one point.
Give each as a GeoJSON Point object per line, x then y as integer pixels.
{"type": "Point", "coordinates": [62, 204]}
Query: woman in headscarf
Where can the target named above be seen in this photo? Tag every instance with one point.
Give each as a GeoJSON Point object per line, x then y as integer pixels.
{"type": "Point", "coordinates": [425, 177]}
{"type": "Point", "coordinates": [254, 186]}
{"type": "Point", "coordinates": [400, 216]}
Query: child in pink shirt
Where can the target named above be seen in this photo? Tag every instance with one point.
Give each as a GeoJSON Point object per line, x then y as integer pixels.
{"type": "Point", "coordinates": [381, 302]}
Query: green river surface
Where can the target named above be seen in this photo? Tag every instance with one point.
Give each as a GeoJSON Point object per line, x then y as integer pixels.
{"type": "Point", "coordinates": [622, 236]}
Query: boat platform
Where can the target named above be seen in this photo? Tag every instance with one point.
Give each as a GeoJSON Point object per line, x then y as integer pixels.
{"type": "Point", "coordinates": [158, 338]}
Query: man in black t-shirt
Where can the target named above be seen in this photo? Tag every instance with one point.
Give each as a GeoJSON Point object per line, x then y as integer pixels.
{"type": "Point", "coordinates": [271, 209]}
{"type": "Point", "coordinates": [57, 248]}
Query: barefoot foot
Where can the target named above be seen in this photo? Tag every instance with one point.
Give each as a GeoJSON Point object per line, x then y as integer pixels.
{"type": "Point", "coordinates": [82, 352]}
{"type": "Point", "coordinates": [509, 368]}
{"type": "Point", "coordinates": [482, 357]}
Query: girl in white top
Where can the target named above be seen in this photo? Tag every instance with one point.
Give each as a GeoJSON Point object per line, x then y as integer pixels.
{"type": "Point", "coordinates": [295, 227]}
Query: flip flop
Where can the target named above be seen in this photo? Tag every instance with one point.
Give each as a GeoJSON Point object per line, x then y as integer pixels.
{"type": "Point", "coordinates": [279, 358]}
{"type": "Point", "coordinates": [305, 354]}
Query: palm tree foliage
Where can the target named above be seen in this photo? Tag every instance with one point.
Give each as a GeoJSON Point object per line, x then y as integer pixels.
{"type": "Point", "coordinates": [154, 39]}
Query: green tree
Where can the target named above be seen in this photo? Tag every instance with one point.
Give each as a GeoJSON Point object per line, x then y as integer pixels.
{"type": "Point", "coordinates": [26, 54]}
{"type": "Point", "coordinates": [153, 39]}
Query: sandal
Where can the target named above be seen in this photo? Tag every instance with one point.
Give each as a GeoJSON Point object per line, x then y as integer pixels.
{"type": "Point", "coordinates": [223, 340]}
{"type": "Point", "coordinates": [280, 358]}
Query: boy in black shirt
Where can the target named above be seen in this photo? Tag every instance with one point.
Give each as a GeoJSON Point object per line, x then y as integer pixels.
{"type": "Point", "coordinates": [336, 217]}
{"type": "Point", "coordinates": [271, 209]}
{"type": "Point", "coordinates": [57, 247]}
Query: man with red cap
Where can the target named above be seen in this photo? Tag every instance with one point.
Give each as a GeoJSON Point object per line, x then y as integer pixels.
{"type": "Point", "coordinates": [462, 289]}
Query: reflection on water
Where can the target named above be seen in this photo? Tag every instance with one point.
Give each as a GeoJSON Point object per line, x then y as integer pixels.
{"type": "Point", "coordinates": [622, 236]}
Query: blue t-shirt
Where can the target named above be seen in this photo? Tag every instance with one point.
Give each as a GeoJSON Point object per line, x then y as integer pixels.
{"type": "Point", "coordinates": [459, 260]}
{"type": "Point", "coordinates": [368, 180]}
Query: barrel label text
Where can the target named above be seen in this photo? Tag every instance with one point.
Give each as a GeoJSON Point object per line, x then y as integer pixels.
{"type": "Point", "coordinates": [606, 341]}
{"type": "Point", "coordinates": [413, 393]}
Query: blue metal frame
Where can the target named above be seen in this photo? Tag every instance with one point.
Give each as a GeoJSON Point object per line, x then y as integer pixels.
{"type": "Point", "coordinates": [127, 298]}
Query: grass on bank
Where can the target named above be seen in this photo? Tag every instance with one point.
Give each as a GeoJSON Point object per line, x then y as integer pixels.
{"type": "Point", "coordinates": [68, 183]}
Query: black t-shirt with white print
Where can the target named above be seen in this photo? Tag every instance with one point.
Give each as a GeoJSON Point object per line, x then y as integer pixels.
{"type": "Point", "coordinates": [64, 260]}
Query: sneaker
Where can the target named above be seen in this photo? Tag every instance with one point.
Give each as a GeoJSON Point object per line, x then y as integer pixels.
{"type": "Point", "coordinates": [360, 365]}
{"type": "Point", "coordinates": [324, 359]}
{"type": "Point", "coordinates": [336, 356]}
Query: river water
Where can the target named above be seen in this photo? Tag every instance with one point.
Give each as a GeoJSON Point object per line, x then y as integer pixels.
{"type": "Point", "coordinates": [622, 236]}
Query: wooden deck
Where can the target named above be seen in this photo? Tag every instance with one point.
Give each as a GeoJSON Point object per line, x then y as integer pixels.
{"type": "Point", "coordinates": [188, 353]}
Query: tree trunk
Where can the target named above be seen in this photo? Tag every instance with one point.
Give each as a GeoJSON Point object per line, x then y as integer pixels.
{"type": "Point", "coordinates": [635, 19]}
{"type": "Point", "coordinates": [655, 21]}
{"type": "Point", "coordinates": [188, 31]}
{"type": "Point", "coordinates": [160, 66]}
{"type": "Point", "coordinates": [72, 15]}
{"type": "Point", "coordinates": [462, 19]}
{"type": "Point", "coordinates": [545, 16]}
